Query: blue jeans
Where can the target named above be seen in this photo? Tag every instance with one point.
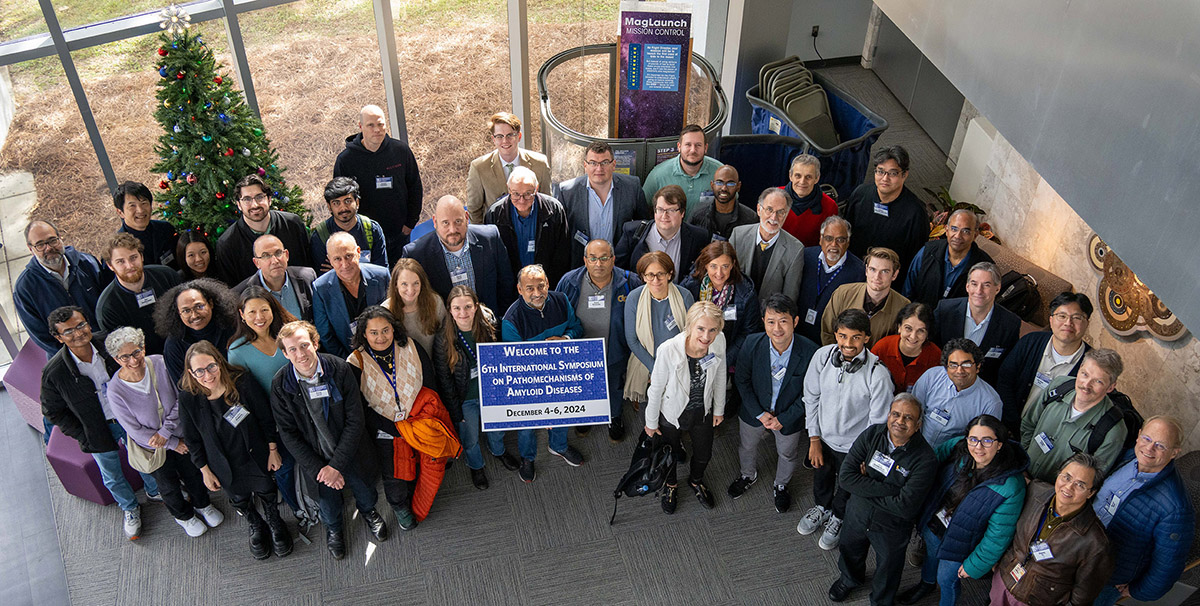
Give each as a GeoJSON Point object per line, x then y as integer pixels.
{"type": "Point", "coordinates": [468, 434]}
{"type": "Point", "coordinates": [1108, 596]}
{"type": "Point", "coordinates": [942, 572]}
{"type": "Point", "coordinates": [284, 477]}
{"type": "Point", "coordinates": [114, 477]}
{"type": "Point", "coordinates": [527, 441]}
{"type": "Point", "coordinates": [365, 497]}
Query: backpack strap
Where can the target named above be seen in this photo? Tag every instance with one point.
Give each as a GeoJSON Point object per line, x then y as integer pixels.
{"type": "Point", "coordinates": [368, 230]}
{"type": "Point", "coordinates": [1100, 429]}
{"type": "Point", "coordinates": [641, 232]}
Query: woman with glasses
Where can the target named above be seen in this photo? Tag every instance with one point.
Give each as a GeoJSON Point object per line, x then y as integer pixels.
{"type": "Point", "coordinates": [200, 310]}
{"type": "Point", "coordinates": [413, 300]}
{"type": "Point", "coordinates": [145, 403]}
{"type": "Point", "coordinates": [228, 423]}
{"type": "Point", "coordinates": [457, 367]}
{"type": "Point", "coordinates": [971, 514]}
{"type": "Point", "coordinates": [195, 254]}
{"type": "Point", "coordinates": [909, 353]}
{"type": "Point", "coordinates": [408, 424]}
{"type": "Point", "coordinates": [653, 313]}
{"type": "Point", "coordinates": [809, 205]}
{"type": "Point", "coordinates": [718, 280]}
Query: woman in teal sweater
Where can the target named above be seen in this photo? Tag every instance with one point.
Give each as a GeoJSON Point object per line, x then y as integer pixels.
{"type": "Point", "coordinates": [970, 517]}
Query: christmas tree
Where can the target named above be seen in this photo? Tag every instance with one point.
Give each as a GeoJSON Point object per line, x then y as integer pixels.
{"type": "Point", "coordinates": [211, 137]}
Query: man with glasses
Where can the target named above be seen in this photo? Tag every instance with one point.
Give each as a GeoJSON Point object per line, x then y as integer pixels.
{"type": "Point", "coordinates": [488, 174]}
{"type": "Point", "coordinates": [533, 226]}
{"type": "Point", "coordinates": [1040, 357]}
{"type": "Point", "coordinates": [939, 270]}
{"type": "Point", "coordinates": [885, 212]}
{"type": "Point", "coordinates": [597, 291]}
{"type": "Point", "coordinates": [291, 285]}
{"type": "Point", "coordinates": [342, 197]}
{"type": "Point", "coordinates": [1070, 411]}
{"type": "Point", "coordinates": [131, 298]}
{"type": "Point", "coordinates": [343, 294]}
{"type": "Point", "coordinates": [75, 398]}
{"type": "Point", "coordinates": [56, 276]}
{"type": "Point", "coordinates": [771, 257]}
{"type": "Point", "coordinates": [953, 393]}
{"type": "Point", "coordinates": [1146, 510]}
{"type": "Point", "coordinates": [600, 201]}
{"type": "Point", "coordinates": [691, 170]}
{"type": "Point", "coordinates": [386, 171]}
{"type": "Point", "coordinates": [977, 317]}
{"type": "Point", "coordinates": [827, 267]}
{"type": "Point", "coordinates": [667, 233]}
{"type": "Point", "coordinates": [724, 212]}
{"type": "Point", "coordinates": [235, 247]}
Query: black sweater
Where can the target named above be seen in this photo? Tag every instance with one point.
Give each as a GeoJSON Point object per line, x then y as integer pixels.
{"type": "Point", "coordinates": [892, 501]}
{"type": "Point", "coordinates": [393, 207]}
{"type": "Point", "coordinates": [118, 307]}
{"type": "Point", "coordinates": [905, 229]}
{"type": "Point", "coordinates": [235, 248]}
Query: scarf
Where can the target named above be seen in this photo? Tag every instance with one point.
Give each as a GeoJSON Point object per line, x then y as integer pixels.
{"type": "Point", "coordinates": [810, 202]}
{"type": "Point", "coordinates": [637, 376]}
{"type": "Point", "coordinates": [391, 395]}
{"type": "Point", "coordinates": [721, 298]}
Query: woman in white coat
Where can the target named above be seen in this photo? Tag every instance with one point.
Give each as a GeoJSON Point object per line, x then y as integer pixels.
{"type": "Point", "coordinates": [687, 393]}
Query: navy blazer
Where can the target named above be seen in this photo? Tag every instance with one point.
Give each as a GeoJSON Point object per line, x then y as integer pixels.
{"type": "Point", "coordinates": [330, 315]}
{"type": "Point", "coordinates": [753, 380]}
{"type": "Point", "coordinates": [628, 200]}
{"type": "Point", "coordinates": [301, 279]}
{"type": "Point", "coordinates": [494, 281]}
{"type": "Point", "coordinates": [949, 319]}
{"type": "Point", "coordinates": [692, 240]}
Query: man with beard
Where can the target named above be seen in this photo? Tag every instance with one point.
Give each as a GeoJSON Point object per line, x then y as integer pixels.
{"type": "Point", "coordinates": [939, 271]}
{"type": "Point", "coordinates": [826, 268]}
{"type": "Point", "coordinates": [342, 196]}
{"type": "Point", "coordinates": [773, 258]}
{"type": "Point", "coordinates": [724, 212]}
{"type": "Point", "coordinates": [235, 248]}
{"type": "Point", "coordinates": [129, 300]}
{"type": "Point", "coordinates": [56, 276]}
{"type": "Point", "coordinates": [692, 170]}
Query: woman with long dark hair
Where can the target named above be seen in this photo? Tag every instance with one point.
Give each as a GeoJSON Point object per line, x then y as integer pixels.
{"type": "Point", "coordinates": [910, 352]}
{"type": "Point", "coordinates": [253, 347]}
{"type": "Point", "coordinates": [195, 254]}
{"type": "Point", "coordinates": [718, 280]}
{"type": "Point", "coordinates": [971, 515]}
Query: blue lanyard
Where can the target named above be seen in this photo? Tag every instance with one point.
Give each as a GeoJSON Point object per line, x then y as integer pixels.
{"type": "Point", "coordinates": [391, 379]}
{"type": "Point", "coordinates": [821, 287]}
{"type": "Point", "coordinates": [467, 347]}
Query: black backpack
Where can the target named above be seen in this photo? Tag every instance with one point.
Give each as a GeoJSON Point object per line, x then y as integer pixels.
{"type": "Point", "coordinates": [647, 470]}
{"type": "Point", "coordinates": [1019, 294]}
{"type": "Point", "coordinates": [1122, 411]}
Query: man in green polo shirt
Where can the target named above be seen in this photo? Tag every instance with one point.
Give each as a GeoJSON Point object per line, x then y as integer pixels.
{"type": "Point", "coordinates": [692, 170]}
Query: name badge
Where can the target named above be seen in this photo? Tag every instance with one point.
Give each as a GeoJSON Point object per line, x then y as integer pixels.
{"type": "Point", "coordinates": [383, 435]}
{"type": "Point", "coordinates": [383, 182]}
{"type": "Point", "coordinates": [144, 298]}
{"type": "Point", "coordinates": [777, 373]}
{"type": "Point", "coordinates": [881, 463]}
{"type": "Point", "coordinates": [944, 517]}
{"type": "Point", "coordinates": [318, 391]}
{"type": "Point", "coordinates": [166, 258]}
{"type": "Point", "coordinates": [946, 293]}
{"type": "Point", "coordinates": [941, 416]}
{"type": "Point", "coordinates": [1113, 504]}
{"type": "Point", "coordinates": [235, 415]}
{"type": "Point", "coordinates": [1041, 551]}
{"type": "Point", "coordinates": [475, 373]}
{"type": "Point", "coordinates": [881, 209]}
{"type": "Point", "coordinates": [707, 361]}
{"type": "Point", "coordinates": [811, 317]}
{"type": "Point", "coordinates": [1018, 571]}
{"type": "Point", "coordinates": [719, 238]}
{"type": "Point", "coordinates": [581, 237]}
{"type": "Point", "coordinates": [671, 325]}
{"type": "Point", "coordinates": [353, 325]}
{"type": "Point", "coordinates": [1044, 442]}
{"type": "Point", "coordinates": [731, 313]}
{"type": "Point", "coordinates": [595, 301]}
{"type": "Point", "coordinates": [994, 352]}
{"type": "Point", "coordinates": [1041, 380]}
{"type": "Point", "coordinates": [902, 471]}
{"type": "Point", "coordinates": [459, 276]}
{"type": "Point", "coordinates": [530, 246]}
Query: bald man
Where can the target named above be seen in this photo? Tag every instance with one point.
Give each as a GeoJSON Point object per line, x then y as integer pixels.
{"type": "Point", "coordinates": [290, 284]}
{"type": "Point", "coordinates": [387, 175]}
{"type": "Point", "coordinates": [467, 254]}
{"type": "Point", "coordinates": [341, 295]}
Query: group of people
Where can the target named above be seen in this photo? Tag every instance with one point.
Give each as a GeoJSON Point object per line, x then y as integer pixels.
{"type": "Point", "coordinates": [287, 363]}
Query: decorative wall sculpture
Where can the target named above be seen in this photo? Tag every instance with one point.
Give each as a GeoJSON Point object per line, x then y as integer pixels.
{"type": "Point", "coordinates": [1127, 305]}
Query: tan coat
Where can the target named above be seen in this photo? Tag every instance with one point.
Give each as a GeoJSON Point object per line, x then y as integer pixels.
{"type": "Point", "coordinates": [850, 296]}
{"type": "Point", "coordinates": [486, 182]}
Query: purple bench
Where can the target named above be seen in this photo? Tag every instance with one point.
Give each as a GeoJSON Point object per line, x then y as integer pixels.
{"type": "Point", "coordinates": [24, 383]}
{"type": "Point", "coordinates": [78, 471]}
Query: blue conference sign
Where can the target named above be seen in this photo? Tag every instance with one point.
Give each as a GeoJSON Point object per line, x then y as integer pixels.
{"type": "Point", "coordinates": [542, 384]}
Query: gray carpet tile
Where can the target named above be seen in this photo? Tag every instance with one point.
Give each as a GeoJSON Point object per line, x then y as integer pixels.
{"type": "Point", "coordinates": [467, 524]}
{"type": "Point", "coordinates": [367, 560]}
{"type": "Point", "coordinates": [553, 503]}
{"type": "Point", "coordinates": [401, 591]}
{"type": "Point", "coordinates": [162, 571]}
{"type": "Point", "coordinates": [244, 580]}
{"type": "Point", "coordinates": [584, 573]}
{"type": "Point", "coordinates": [294, 599]}
{"type": "Point", "coordinates": [497, 581]}
{"type": "Point", "coordinates": [676, 564]}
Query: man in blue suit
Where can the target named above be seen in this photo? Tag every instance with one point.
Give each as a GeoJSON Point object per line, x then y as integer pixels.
{"type": "Point", "coordinates": [465, 254]}
{"type": "Point", "coordinates": [600, 201]}
{"type": "Point", "coordinates": [977, 317]}
{"type": "Point", "coordinates": [341, 295]}
{"type": "Point", "coordinates": [770, 378]}
{"type": "Point", "coordinates": [826, 267]}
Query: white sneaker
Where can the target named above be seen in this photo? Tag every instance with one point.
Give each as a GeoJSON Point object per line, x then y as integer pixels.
{"type": "Point", "coordinates": [212, 516]}
{"type": "Point", "coordinates": [193, 526]}
{"type": "Point", "coordinates": [829, 538]}
{"type": "Point", "coordinates": [133, 523]}
{"type": "Point", "coordinates": [813, 520]}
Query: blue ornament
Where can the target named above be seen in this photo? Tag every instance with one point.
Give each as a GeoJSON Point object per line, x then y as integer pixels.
{"type": "Point", "coordinates": [174, 45]}
{"type": "Point", "coordinates": [224, 118]}
{"type": "Point", "coordinates": [162, 71]}
{"type": "Point", "coordinates": [206, 138]}
{"type": "Point", "coordinates": [170, 174]}
{"type": "Point", "coordinates": [208, 105]}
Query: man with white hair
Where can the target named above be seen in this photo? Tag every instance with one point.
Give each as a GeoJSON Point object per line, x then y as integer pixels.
{"type": "Point", "coordinates": [773, 258]}
{"type": "Point", "coordinates": [533, 226]}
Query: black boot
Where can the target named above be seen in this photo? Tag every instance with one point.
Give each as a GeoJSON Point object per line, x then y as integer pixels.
{"type": "Point", "coordinates": [258, 533]}
{"type": "Point", "coordinates": [916, 593]}
{"type": "Point", "coordinates": [281, 537]}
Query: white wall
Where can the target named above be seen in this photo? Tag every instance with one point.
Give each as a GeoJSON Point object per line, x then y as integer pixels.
{"type": "Point", "coordinates": [843, 28]}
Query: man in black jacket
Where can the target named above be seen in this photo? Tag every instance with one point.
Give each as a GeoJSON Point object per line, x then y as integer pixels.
{"type": "Point", "coordinates": [939, 270]}
{"type": "Point", "coordinates": [319, 410]}
{"type": "Point", "coordinates": [74, 397]}
{"type": "Point", "coordinates": [668, 233]}
{"type": "Point", "coordinates": [291, 285]}
{"type": "Point", "coordinates": [533, 226]}
{"type": "Point", "coordinates": [131, 298]}
{"type": "Point", "coordinates": [235, 247]}
{"type": "Point", "coordinates": [888, 472]}
{"type": "Point", "coordinates": [977, 317]}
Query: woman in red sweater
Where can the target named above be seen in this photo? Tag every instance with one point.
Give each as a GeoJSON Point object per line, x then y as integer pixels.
{"type": "Point", "coordinates": [909, 353]}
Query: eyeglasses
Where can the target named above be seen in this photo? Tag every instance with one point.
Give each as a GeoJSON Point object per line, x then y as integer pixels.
{"type": "Point", "coordinates": [1078, 484]}
{"type": "Point", "coordinates": [774, 213]}
{"type": "Point", "coordinates": [725, 183]}
{"type": "Point", "coordinates": [259, 199]}
{"type": "Point", "coordinates": [275, 255]}
{"type": "Point", "coordinates": [137, 353]}
{"type": "Point", "coordinates": [1158, 446]}
{"type": "Point", "coordinates": [985, 442]}
{"type": "Point", "coordinates": [67, 332]}
{"type": "Point", "coordinates": [195, 309]}
{"type": "Point", "coordinates": [954, 229]}
{"type": "Point", "coordinates": [1073, 318]}
{"type": "Point", "coordinates": [879, 172]}
{"type": "Point", "coordinates": [656, 275]}
{"type": "Point", "coordinates": [839, 239]}
{"type": "Point", "coordinates": [604, 259]}
{"type": "Point", "coordinates": [595, 164]}
{"type": "Point", "coordinates": [956, 365]}
{"type": "Point", "coordinates": [517, 196]}
{"type": "Point", "coordinates": [658, 210]}
{"type": "Point", "coordinates": [509, 137]}
{"type": "Point", "coordinates": [50, 242]}
{"type": "Point", "coordinates": [211, 369]}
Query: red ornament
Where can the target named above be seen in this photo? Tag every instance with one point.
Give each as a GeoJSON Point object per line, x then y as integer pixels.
{"type": "Point", "coordinates": [179, 76]}
{"type": "Point", "coordinates": [228, 151]}
{"type": "Point", "coordinates": [191, 178]}
{"type": "Point", "coordinates": [164, 185]}
{"type": "Point", "coordinates": [220, 196]}
{"type": "Point", "coordinates": [218, 80]}
{"type": "Point", "coordinates": [162, 52]}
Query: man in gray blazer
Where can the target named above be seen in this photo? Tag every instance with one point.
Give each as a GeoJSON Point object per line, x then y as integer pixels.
{"type": "Point", "coordinates": [773, 258]}
{"type": "Point", "coordinates": [600, 201]}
